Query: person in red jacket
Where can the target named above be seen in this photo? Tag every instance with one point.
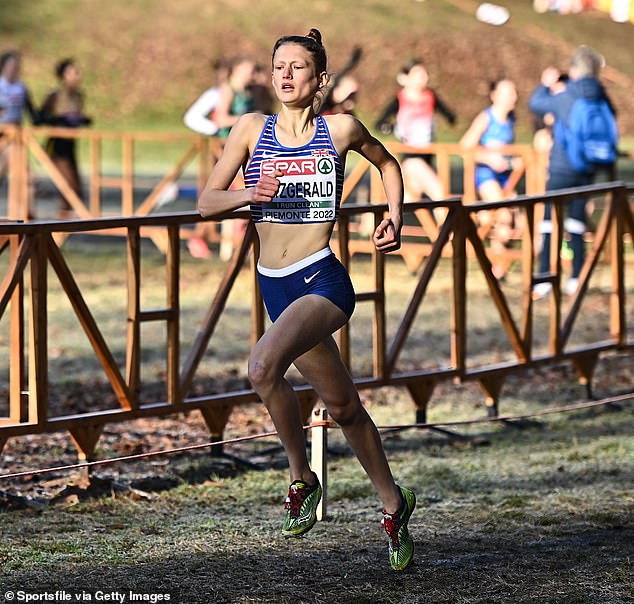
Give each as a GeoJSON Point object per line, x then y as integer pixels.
{"type": "Point", "coordinates": [411, 116]}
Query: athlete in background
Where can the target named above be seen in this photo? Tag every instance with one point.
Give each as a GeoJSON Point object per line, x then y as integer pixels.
{"type": "Point", "coordinates": [492, 129]}
{"type": "Point", "coordinates": [15, 99]}
{"type": "Point", "coordinates": [411, 115]}
{"type": "Point", "coordinates": [64, 107]}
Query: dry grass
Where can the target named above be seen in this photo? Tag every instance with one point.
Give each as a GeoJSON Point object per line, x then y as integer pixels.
{"type": "Point", "coordinates": [538, 515]}
{"type": "Point", "coordinates": [148, 77]}
{"type": "Point", "coordinates": [543, 515]}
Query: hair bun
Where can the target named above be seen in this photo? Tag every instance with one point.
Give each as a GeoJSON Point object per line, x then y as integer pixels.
{"type": "Point", "coordinates": [315, 34]}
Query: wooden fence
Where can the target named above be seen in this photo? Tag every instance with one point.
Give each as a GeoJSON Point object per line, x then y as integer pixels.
{"type": "Point", "coordinates": [26, 148]}
{"type": "Point", "coordinates": [32, 248]}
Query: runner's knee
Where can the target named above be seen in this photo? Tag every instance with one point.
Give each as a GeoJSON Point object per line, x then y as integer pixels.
{"type": "Point", "coordinates": [262, 372]}
{"type": "Point", "coordinates": [345, 413]}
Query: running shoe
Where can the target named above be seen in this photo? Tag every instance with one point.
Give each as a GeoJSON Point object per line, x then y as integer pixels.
{"type": "Point", "coordinates": [401, 545]}
{"type": "Point", "coordinates": [301, 505]}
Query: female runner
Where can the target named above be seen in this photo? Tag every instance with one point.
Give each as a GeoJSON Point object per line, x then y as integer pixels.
{"type": "Point", "coordinates": [293, 166]}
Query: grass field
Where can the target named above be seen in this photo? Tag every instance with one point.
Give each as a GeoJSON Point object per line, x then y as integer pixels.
{"type": "Point", "coordinates": [542, 514]}
{"type": "Point", "coordinates": [538, 515]}
{"type": "Point", "coordinates": [144, 62]}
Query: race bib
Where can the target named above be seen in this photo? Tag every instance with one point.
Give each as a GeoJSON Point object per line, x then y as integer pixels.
{"type": "Point", "coordinates": [308, 189]}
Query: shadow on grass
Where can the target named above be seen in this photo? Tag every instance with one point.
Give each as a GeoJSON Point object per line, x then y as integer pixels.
{"type": "Point", "coordinates": [348, 564]}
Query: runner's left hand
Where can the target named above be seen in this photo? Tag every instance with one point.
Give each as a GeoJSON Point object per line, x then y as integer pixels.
{"type": "Point", "coordinates": [387, 237]}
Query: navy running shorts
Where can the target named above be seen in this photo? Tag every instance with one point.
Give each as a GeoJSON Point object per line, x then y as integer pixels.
{"type": "Point", "coordinates": [485, 173]}
{"type": "Point", "coordinates": [321, 274]}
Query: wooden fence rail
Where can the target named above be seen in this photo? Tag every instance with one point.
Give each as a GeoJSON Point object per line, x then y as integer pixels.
{"type": "Point", "coordinates": [26, 149]}
{"type": "Point", "coordinates": [31, 249]}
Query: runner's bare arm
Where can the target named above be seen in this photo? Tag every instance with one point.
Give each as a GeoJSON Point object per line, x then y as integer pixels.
{"type": "Point", "coordinates": [215, 198]}
{"type": "Point", "coordinates": [387, 237]}
{"type": "Point", "coordinates": [471, 140]}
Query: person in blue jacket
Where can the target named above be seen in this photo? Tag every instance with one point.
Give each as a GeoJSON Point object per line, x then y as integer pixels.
{"type": "Point", "coordinates": [557, 98]}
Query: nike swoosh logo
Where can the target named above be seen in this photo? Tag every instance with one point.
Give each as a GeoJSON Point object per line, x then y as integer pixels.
{"type": "Point", "coordinates": [309, 279]}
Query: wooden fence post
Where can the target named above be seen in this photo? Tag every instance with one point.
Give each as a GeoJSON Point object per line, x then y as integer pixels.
{"type": "Point", "coordinates": [617, 295]}
{"type": "Point", "coordinates": [133, 348]}
{"type": "Point", "coordinates": [173, 320]}
{"type": "Point", "coordinates": [95, 175]}
{"type": "Point", "coordinates": [38, 355]}
{"type": "Point", "coordinates": [343, 234]}
{"type": "Point", "coordinates": [528, 259]}
{"type": "Point", "coordinates": [379, 337]}
{"type": "Point", "coordinates": [459, 303]}
{"type": "Point", "coordinates": [18, 402]}
{"type": "Point", "coordinates": [319, 460]}
{"type": "Point", "coordinates": [127, 175]}
{"type": "Point", "coordinates": [556, 239]}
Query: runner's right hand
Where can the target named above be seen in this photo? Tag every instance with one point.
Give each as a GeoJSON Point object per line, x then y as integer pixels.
{"type": "Point", "coordinates": [266, 187]}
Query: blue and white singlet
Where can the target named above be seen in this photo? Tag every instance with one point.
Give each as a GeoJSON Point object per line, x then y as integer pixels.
{"type": "Point", "coordinates": [498, 133]}
{"type": "Point", "coordinates": [310, 190]}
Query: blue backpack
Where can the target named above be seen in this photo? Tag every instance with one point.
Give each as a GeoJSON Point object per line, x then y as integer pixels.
{"type": "Point", "coordinates": [590, 135]}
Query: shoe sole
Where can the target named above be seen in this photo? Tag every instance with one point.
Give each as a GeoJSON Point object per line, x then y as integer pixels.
{"type": "Point", "coordinates": [290, 535]}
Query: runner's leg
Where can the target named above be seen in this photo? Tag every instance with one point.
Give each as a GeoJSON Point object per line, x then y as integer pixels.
{"type": "Point", "coordinates": [296, 336]}
{"type": "Point", "coordinates": [323, 368]}
{"type": "Point", "coordinates": [303, 325]}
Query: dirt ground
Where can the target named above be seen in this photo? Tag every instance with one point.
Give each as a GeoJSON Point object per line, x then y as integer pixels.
{"type": "Point", "coordinates": [538, 515]}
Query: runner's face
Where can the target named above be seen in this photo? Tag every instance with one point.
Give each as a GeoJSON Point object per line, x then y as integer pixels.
{"type": "Point", "coordinates": [294, 79]}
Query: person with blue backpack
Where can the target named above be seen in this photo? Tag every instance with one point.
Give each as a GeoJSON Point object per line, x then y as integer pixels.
{"type": "Point", "coordinates": [585, 140]}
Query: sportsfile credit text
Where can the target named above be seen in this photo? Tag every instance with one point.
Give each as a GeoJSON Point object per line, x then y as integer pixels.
{"type": "Point", "coordinates": [63, 595]}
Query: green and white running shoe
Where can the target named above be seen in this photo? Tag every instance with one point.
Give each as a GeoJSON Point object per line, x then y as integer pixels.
{"type": "Point", "coordinates": [301, 505]}
{"type": "Point", "coordinates": [401, 545]}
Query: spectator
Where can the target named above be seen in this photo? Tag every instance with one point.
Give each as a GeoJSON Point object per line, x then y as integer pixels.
{"type": "Point", "coordinates": [414, 110]}
{"type": "Point", "coordinates": [550, 97]}
{"type": "Point", "coordinates": [199, 117]}
{"type": "Point", "coordinates": [260, 89]}
{"type": "Point", "coordinates": [543, 134]}
{"type": "Point", "coordinates": [214, 113]}
{"type": "Point", "coordinates": [64, 107]}
{"type": "Point", "coordinates": [14, 100]}
{"type": "Point", "coordinates": [342, 97]}
{"type": "Point", "coordinates": [236, 95]}
{"type": "Point", "coordinates": [236, 98]}
{"type": "Point", "coordinates": [491, 129]}
{"type": "Point", "coordinates": [342, 93]}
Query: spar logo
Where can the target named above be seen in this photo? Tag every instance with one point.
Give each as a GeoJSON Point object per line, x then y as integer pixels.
{"type": "Point", "coordinates": [301, 166]}
{"type": "Point", "coordinates": [324, 165]}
